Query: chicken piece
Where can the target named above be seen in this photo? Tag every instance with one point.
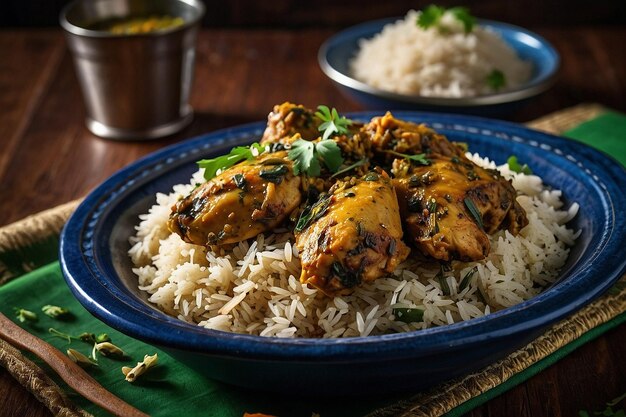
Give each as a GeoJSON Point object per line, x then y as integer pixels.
{"type": "Point", "coordinates": [286, 120]}
{"type": "Point", "coordinates": [434, 199]}
{"type": "Point", "coordinates": [437, 203]}
{"type": "Point", "coordinates": [247, 199]}
{"type": "Point", "coordinates": [387, 134]}
{"type": "Point", "coordinates": [351, 235]}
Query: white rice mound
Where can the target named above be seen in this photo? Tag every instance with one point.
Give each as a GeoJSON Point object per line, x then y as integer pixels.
{"type": "Point", "coordinates": [255, 289]}
{"type": "Point", "coordinates": [407, 59]}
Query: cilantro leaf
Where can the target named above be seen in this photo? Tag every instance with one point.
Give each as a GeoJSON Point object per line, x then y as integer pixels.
{"type": "Point", "coordinates": [330, 153]}
{"type": "Point", "coordinates": [515, 166]}
{"type": "Point", "coordinates": [496, 79]}
{"type": "Point", "coordinates": [430, 16]}
{"type": "Point", "coordinates": [302, 152]}
{"type": "Point", "coordinates": [307, 156]}
{"type": "Point", "coordinates": [237, 154]}
{"type": "Point", "coordinates": [463, 15]}
{"type": "Point", "coordinates": [331, 122]}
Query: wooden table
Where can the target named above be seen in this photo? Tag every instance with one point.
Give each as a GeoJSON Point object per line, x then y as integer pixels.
{"type": "Point", "coordinates": [47, 156]}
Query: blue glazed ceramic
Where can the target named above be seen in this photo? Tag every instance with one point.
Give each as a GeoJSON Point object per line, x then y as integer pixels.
{"type": "Point", "coordinates": [95, 241]}
{"type": "Point", "coordinates": [335, 54]}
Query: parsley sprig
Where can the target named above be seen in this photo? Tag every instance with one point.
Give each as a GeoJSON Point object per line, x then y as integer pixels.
{"type": "Point", "coordinates": [308, 155]}
{"type": "Point", "coordinates": [237, 154]}
{"type": "Point", "coordinates": [432, 15]}
{"type": "Point", "coordinates": [331, 122]}
{"type": "Point", "coordinates": [496, 79]}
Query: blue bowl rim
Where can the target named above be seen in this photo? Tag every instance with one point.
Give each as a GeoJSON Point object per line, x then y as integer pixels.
{"type": "Point", "coordinates": [535, 87]}
{"type": "Point", "coordinates": [545, 308]}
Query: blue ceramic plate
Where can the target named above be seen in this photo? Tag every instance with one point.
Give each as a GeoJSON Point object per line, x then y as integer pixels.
{"type": "Point", "coordinates": [335, 54]}
{"type": "Point", "coordinates": [95, 241]}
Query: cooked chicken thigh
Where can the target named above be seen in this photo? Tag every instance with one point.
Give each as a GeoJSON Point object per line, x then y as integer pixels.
{"type": "Point", "coordinates": [351, 235]}
{"type": "Point", "coordinates": [247, 199]}
{"type": "Point", "coordinates": [450, 206]}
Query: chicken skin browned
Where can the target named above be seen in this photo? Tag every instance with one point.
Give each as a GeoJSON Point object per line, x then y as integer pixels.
{"type": "Point", "coordinates": [451, 205]}
{"type": "Point", "coordinates": [351, 235]}
{"type": "Point", "coordinates": [243, 201]}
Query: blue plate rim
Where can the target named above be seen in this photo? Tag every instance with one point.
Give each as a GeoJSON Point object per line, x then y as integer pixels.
{"type": "Point", "coordinates": [526, 91]}
{"type": "Point", "coordinates": [189, 337]}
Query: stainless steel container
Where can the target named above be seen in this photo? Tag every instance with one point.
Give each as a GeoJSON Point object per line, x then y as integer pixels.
{"type": "Point", "coordinates": [135, 86]}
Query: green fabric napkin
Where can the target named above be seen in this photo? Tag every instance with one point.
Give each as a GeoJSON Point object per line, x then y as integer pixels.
{"type": "Point", "coordinates": [606, 132]}
{"type": "Point", "coordinates": [170, 387]}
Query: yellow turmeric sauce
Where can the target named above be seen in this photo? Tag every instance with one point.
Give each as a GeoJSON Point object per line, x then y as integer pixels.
{"type": "Point", "coordinates": [138, 25]}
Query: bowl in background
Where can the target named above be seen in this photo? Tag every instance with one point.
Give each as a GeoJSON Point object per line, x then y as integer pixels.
{"type": "Point", "coordinates": [94, 261]}
{"type": "Point", "coordinates": [336, 53]}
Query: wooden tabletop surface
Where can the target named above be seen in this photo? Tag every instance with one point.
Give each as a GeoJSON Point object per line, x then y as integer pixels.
{"type": "Point", "coordinates": [48, 157]}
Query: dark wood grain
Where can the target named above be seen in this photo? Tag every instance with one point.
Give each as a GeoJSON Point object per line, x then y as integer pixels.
{"type": "Point", "coordinates": [47, 156]}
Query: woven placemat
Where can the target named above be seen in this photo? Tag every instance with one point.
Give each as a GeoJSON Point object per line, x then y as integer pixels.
{"type": "Point", "coordinates": [18, 237]}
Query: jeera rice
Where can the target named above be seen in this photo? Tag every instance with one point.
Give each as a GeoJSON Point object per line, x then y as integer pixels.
{"type": "Point", "coordinates": [408, 59]}
{"type": "Point", "coordinates": [254, 288]}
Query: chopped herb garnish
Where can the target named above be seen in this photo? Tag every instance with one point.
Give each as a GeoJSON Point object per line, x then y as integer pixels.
{"type": "Point", "coordinates": [237, 154]}
{"type": "Point", "coordinates": [419, 159]}
{"type": "Point", "coordinates": [463, 15]}
{"type": "Point", "coordinates": [350, 168]}
{"type": "Point", "coordinates": [469, 203]}
{"type": "Point", "coordinates": [312, 213]}
{"type": "Point", "coordinates": [332, 122]}
{"type": "Point", "coordinates": [55, 311]}
{"type": "Point", "coordinates": [347, 277]}
{"type": "Point", "coordinates": [467, 279]}
{"type": "Point", "coordinates": [24, 315]}
{"type": "Point", "coordinates": [275, 174]}
{"type": "Point", "coordinates": [431, 17]}
{"type": "Point", "coordinates": [443, 283]}
{"type": "Point", "coordinates": [516, 167]}
{"type": "Point", "coordinates": [303, 153]}
{"type": "Point", "coordinates": [240, 181]}
{"type": "Point", "coordinates": [496, 79]}
{"type": "Point", "coordinates": [330, 154]}
{"type": "Point", "coordinates": [307, 156]}
{"type": "Point", "coordinates": [408, 315]}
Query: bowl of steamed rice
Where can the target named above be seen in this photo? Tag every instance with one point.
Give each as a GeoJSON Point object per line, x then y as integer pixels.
{"type": "Point", "coordinates": [242, 314]}
{"type": "Point", "coordinates": [447, 64]}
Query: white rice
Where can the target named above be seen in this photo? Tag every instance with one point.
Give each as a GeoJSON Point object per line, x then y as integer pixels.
{"type": "Point", "coordinates": [407, 59]}
{"type": "Point", "coordinates": [255, 289]}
